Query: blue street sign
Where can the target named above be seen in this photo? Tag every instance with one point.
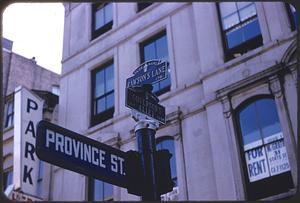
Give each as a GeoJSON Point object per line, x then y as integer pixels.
{"type": "Point", "coordinates": [149, 72]}
{"type": "Point", "coordinates": [70, 150]}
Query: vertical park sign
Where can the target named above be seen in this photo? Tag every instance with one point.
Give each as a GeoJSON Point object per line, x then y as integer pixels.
{"type": "Point", "coordinates": [28, 111]}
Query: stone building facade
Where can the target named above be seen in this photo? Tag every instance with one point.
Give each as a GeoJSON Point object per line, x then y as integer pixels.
{"type": "Point", "coordinates": [21, 71]}
{"type": "Point", "coordinates": [231, 95]}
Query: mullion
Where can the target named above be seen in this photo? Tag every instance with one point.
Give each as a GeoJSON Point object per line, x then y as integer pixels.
{"type": "Point", "coordinates": [240, 23]}
{"type": "Point", "coordinates": [155, 51]}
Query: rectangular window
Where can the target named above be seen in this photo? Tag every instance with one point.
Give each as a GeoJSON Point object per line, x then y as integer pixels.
{"type": "Point", "coordinates": [7, 179]}
{"type": "Point", "coordinates": [40, 179]}
{"type": "Point", "coordinates": [102, 18]}
{"type": "Point", "coordinates": [142, 6]}
{"type": "Point", "coordinates": [102, 93]}
{"type": "Point", "coordinates": [99, 190]}
{"type": "Point", "coordinates": [240, 28]}
{"type": "Point", "coordinates": [9, 114]}
{"type": "Point", "coordinates": [157, 48]}
{"type": "Point", "coordinates": [292, 13]}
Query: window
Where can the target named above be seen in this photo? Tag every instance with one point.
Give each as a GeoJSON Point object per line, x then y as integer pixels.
{"type": "Point", "coordinates": [7, 179]}
{"type": "Point", "coordinates": [142, 6]}
{"type": "Point", "coordinates": [292, 13]}
{"type": "Point", "coordinates": [99, 190]}
{"type": "Point", "coordinates": [266, 165]}
{"type": "Point", "coordinates": [55, 90]}
{"type": "Point", "coordinates": [102, 93]}
{"type": "Point", "coordinates": [40, 179]}
{"type": "Point", "coordinates": [157, 48]}
{"type": "Point", "coordinates": [240, 28]}
{"type": "Point", "coordinates": [9, 114]}
{"type": "Point", "coordinates": [168, 143]}
{"type": "Point", "coordinates": [102, 19]}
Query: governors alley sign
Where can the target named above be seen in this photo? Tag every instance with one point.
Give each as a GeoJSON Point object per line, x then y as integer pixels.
{"type": "Point", "coordinates": [69, 150]}
{"type": "Point", "coordinates": [149, 72]}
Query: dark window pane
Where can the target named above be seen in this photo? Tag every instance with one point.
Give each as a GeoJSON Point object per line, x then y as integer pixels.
{"type": "Point", "coordinates": [169, 145]}
{"type": "Point", "coordinates": [9, 114]}
{"type": "Point", "coordinates": [149, 52]}
{"type": "Point", "coordinates": [268, 117]}
{"type": "Point", "coordinates": [249, 127]}
{"type": "Point", "coordinates": [100, 105]}
{"type": "Point", "coordinates": [41, 170]}
{"type": "Point", "coordinates": [243, 4]}
{"type": "Point", "coordinates": [99, 18]}
{"type": "Point", "coordinates": [109, 77]}
{"type": "Point", "coordinates": [110, 100]}
{"type": "Point", "coordinates": [234, 38]}
{"type": "Point", "coordinates": [293, 16]}
{"type": "Point", "coordinates": [165, 83]}
{"type": "Point", "coordinates": [8, 178]}
{"type": "Point", "coordinates": [230, 21]}
{"type": "Point", "coordinates": [251, 30]}
{"type": "Point", "coordinates": [142, 6]}
{"type": "Point", "coordinates": [108, 191]}
{"type": "Point", "coordinates": [99, 90]}
{"type": "Point", "coordinates": [108, 13]}
{"type": "Point", "coordinates": [98, 190]}
{"type": "Point", "coordinates": [227, 8]}
{"type": "Point", "coordinates": [162, 48]}
{"type": "Point", "coordinates": [247, 12]}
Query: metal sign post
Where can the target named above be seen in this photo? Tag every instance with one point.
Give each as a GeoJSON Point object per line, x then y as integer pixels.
{"type": "Point", "coordinates": [155, 165]}
{"type": "Point", "coordinates": [145, 133]}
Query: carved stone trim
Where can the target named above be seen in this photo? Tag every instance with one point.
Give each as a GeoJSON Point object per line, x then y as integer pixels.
{"type": "Point", "coordinates": [293, 70]}
{"type": "Point", "coordinates": [275, 86]}
{"type": "Point", "coordinates": [226, 105]}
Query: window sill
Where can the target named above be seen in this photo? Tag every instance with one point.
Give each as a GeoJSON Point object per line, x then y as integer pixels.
{"type": "Point", "coordinates": [288, 194]}
{"type": "Point", "coordinates": [245, 57]}
{"type": "Point", "coordinates": [106, 123]}
{"type": "Point", "coordinates": [8, 129]}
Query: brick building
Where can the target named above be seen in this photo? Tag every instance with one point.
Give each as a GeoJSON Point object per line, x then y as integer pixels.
{"type": "Point", "coordinates": [44, 84]}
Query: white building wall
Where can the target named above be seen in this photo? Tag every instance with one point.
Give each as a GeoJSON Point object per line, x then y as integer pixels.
{"type": "Point", "coordinates": [208, 164]}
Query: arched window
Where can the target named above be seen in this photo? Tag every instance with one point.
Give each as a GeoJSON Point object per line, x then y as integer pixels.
{"type": "Point", "coordinates": [266, 165]}
{"type": "Point", "coordinates": [168, 143]}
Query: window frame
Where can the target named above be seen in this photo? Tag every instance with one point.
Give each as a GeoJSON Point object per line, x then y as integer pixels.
{"type": "Point", "coordinates": [40, 177]}
{"type": "Point", "coordinates": [142, 5]}
{"type": "Point", "coordinates": [6, 173]}
{"type": "Point", "coordinates": [165, 138]}
{"type": "Point", "coordinates": [9, 117]}
{"type": "Point", "coordinates": [91, 190]}
{"type": "Point", "coordinates": [106, 27]}
{"type": "Point", "coordinates": [250, 189]}
{"type": "Point", "coordinates": [108, 113]}
{"type": "Point", "coordinates": [290, 16]}
{"type": "Point", "coordinates": [244, 47]}
{"type": "Point", "coordinates": [142, 56]}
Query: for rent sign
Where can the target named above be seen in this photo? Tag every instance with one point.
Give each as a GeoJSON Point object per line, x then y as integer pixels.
{"type": "Point", "coordinates": [267, 160]}
{"type": "Point", "coordinates": [28, 112]}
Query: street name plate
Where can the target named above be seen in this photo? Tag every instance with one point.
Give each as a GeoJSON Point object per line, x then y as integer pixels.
{"type": "Point", "coordinates": [149, 72]}
{"type": "Point", "coordinates": [136, 100]}
{"type": "Point", "coordinates": [78, 153]}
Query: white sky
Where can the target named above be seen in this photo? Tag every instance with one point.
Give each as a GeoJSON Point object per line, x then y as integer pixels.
{"type": "Point", "coordinates": [36, 30]}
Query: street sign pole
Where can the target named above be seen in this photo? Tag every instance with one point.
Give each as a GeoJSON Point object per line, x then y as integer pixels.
{"type": "Point", "coordinates": [145, 133]}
